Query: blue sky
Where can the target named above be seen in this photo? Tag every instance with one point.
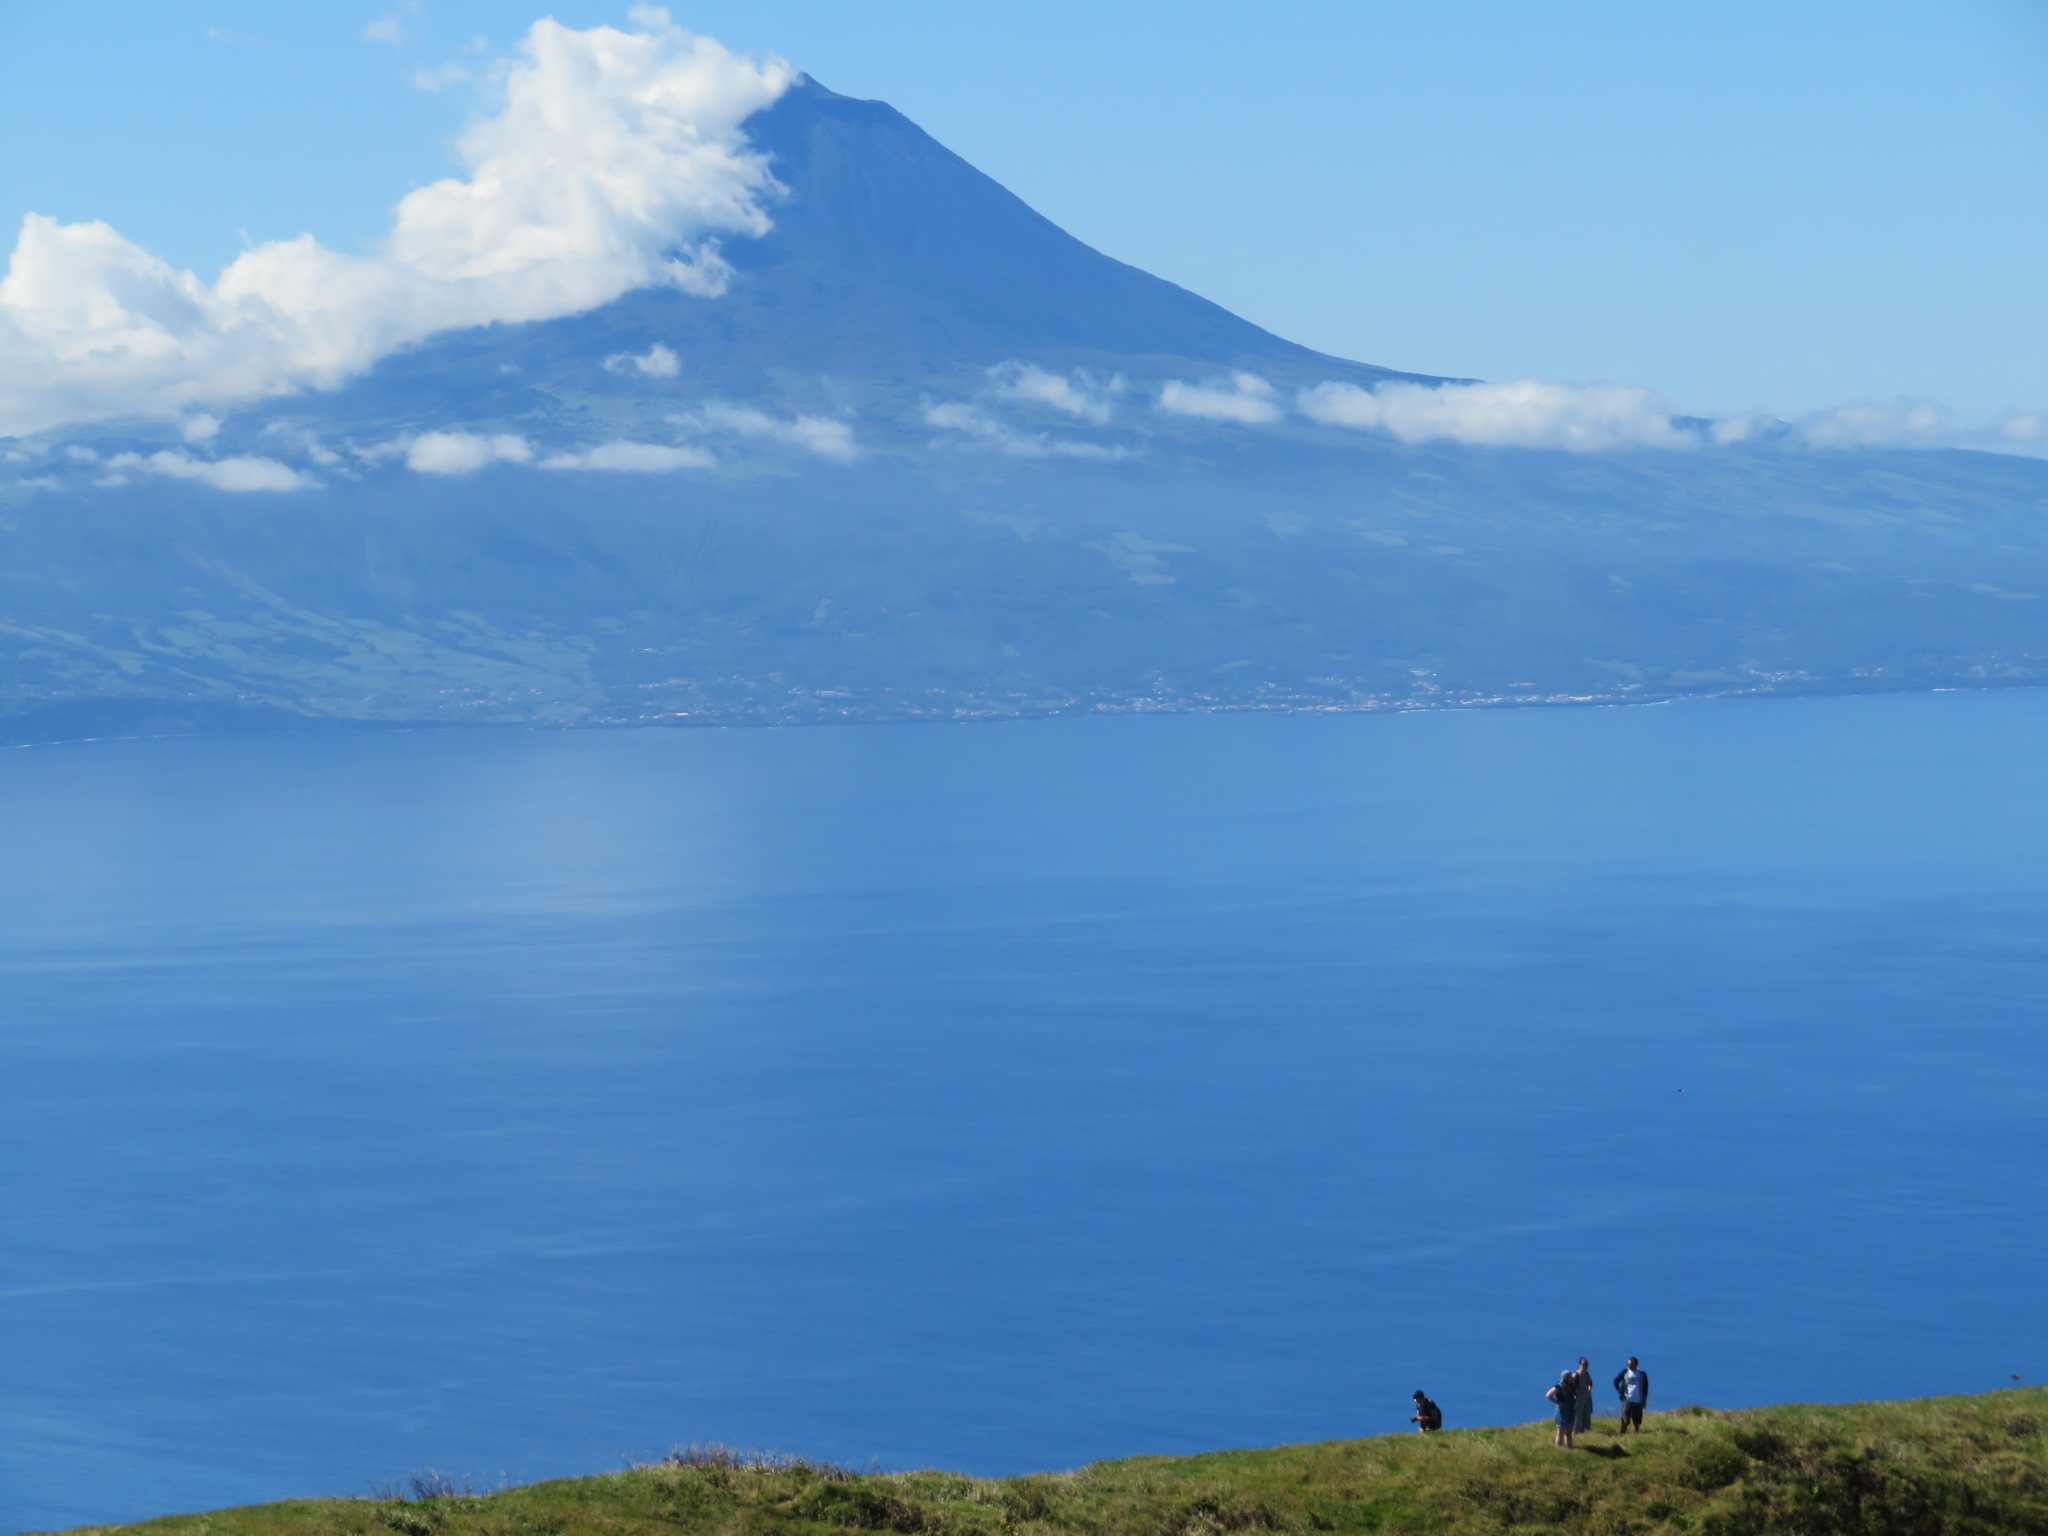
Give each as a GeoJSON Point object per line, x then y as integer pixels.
{"type": "Point", "coordinates": [1743, 206]}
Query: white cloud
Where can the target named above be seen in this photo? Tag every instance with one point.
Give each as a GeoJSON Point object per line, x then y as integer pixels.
{"type": "Point", "coordinates": [615, 162]}
{"type": "Point", "coordinates": [440, 76]}
{"type": "Point", "coordinates": [1599, 417]}
{"type": "Point", "coordinates": [823, 435]}
{"type": "Point", "coordinates": [1079, 393]}
{"type": "Point", "coordinates": [307, 443]}
{"type": "Point", "coordinates": [1740, 429]}
{"type": "Point", "coordinates": [657, 362]}
{"type": "Point", "coordinates": [239, 473]}
{"type": "Point", "coordinates": [390, 27]}
{"type": "Point", "coordinates": [463, 453]}
{"type": "Point", "coordinates": [1242, 397]}
{"type": "Point", "coordinates": [1901, 424]}
{"type": "Point", "coordinates": [958, 416]}
{"type": "Point", "coordinates": [983, 429]}
{"type": "Point", "coordinates": [632, 458]}
{"type": "Point", "coordinates": [1528, 413]}
{"type": "Point", "coordinates": [199, 429]}
{"type": "Point", "coordinates": [1907, 424]}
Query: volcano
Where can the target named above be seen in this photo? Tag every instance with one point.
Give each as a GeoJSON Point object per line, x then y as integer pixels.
{"type": "Point", "coordinates": [892, 263]}
{"type": "Point", "coordinates": [924, 459]}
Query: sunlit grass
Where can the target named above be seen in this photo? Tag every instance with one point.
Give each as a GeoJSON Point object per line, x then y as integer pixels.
{"type": "Point", "coordinates": [1936, 1467]}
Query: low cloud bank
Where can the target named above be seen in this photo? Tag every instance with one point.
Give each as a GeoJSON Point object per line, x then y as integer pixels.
{"type": "Point", "coordinates": [825, 436]}
{"type": "Point", "coordinates": [2026, 433]}
{"type": "Point", "coordinates": [241, 472]}
{"type": "Point", "coordinates": [464, 453]}
{"type": "Point", "coordinates": [977, 427]}
{"type": "Point", "coordinates": [1586, 418]}
{"type": "Point", "coordinates": [657, 362]}
{"type": "Point", "coordinates": [447, 454]}
{"type": "Point", "coordinates": [622, 457]}
{"type": "Point", "coordinates": [1081, 394]}
{"type": "Point", "coordinates": [1868, 425]}
{"type": "Point", "coordinates": [1907, 424]}
{"type": "Point", "coordinates": [1526, 414]}
{"type": "Point", "coordinates": [1086, 396]}
{"type": "Point", "coordinates": [615, 162]}
{"type": "Point", "coordinates": [1242, 397]}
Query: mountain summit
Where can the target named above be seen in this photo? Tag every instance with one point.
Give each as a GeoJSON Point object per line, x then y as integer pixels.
{"type": "Point", "coordinates": [893, 248]}
{"type": "Point", "coordinates": [891, 260]}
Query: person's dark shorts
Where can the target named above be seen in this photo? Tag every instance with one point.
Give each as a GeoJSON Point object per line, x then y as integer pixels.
{"type": "Point", "coordinates": [1631, 1413]}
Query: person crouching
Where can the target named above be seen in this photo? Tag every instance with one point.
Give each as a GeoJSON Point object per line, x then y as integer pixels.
{"type": "Point", "coordinates": [1427, 1417]}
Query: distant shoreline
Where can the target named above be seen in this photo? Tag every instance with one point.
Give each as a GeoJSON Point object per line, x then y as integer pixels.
{"type": "Point", "coordinates": [161, 720]}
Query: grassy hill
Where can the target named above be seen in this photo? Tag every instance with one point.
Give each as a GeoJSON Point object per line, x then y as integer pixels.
{"type": "Point", "coordinates": [1952, 1466]}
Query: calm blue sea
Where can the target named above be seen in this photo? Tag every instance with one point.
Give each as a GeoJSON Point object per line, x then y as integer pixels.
{"type": "Point", "coordinates": [1003, 1096]}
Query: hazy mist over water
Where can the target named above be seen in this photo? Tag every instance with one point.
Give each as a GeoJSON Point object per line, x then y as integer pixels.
{"type": "Point", "coordinates": [1002, 1096]}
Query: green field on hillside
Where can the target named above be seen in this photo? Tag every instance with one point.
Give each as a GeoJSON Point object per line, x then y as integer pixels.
{"type": "Point", "coordinates": [1937, 1467]}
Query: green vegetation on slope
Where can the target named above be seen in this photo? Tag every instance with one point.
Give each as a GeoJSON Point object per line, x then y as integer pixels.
{"type": "Point", "coordinates": [1954, 1466]}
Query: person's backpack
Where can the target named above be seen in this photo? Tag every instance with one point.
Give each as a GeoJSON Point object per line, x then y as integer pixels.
{"type": "Point", "coordinates": [1432, 1416]}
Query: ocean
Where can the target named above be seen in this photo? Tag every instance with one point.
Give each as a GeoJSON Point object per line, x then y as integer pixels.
{"type": "Point", "coordinates": [1002, 1096]}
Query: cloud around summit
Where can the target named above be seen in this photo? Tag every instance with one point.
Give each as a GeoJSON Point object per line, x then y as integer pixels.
{"type": "Point", "coordinates": [615, 161]}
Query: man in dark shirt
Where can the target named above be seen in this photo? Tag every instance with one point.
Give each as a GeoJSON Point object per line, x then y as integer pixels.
{"type": "Point", "coordinates": [1633, 1387]}
{"type": "Point", "coordinates": [1427, 1416]}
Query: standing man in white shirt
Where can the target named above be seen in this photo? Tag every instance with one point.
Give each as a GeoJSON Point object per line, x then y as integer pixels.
{"type": "Point", "coordinates": [1633, 1384]}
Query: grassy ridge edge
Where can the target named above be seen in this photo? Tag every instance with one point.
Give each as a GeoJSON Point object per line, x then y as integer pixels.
{"type": "Point", "coordinates": [1948, 1466]}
